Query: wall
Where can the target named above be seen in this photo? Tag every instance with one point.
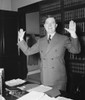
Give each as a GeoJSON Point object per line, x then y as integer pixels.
{"type": "Point", "coordinates": [5, 4]}
{"type": "Point", "coordinates": [20, 3]}
{"type": "Point", "coordinates": [32, 23]}
{"type": "Point", "coordinates": [15, 4]}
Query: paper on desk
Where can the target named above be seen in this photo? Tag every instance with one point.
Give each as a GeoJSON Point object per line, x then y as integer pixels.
{"type": "Point", "coordinates": [32, 96]}
{"type": "Point", "coordinates": [28, 86]}
{"type": "Point", "coordinates": [1, 97]}
{"type": "Point", "coordinates": [62, 98]}
{"type": "Point", "coordinates": [46, 97]}
{"type": "Point", "coordinates": [15, 82]}
{"type": "Point", "coordinates": [40, 88]}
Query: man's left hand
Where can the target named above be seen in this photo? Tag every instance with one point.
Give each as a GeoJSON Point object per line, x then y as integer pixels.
{"type": "Point", "coordinates": [72, 29]}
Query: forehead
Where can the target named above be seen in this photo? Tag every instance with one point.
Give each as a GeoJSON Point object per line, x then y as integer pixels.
{"type": "Point", "coordinates": [51, 19]}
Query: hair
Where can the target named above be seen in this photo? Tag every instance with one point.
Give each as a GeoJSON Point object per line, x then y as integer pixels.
{"type": "Point", "coordinates": [49, 16]}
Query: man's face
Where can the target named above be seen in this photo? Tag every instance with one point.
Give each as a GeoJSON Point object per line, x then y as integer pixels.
{"type": "Point", "coordinates": [50, 25]}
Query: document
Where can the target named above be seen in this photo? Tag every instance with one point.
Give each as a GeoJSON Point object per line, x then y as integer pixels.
{"type": "Point", "coordinates": [1, 97]}
{"type": "Point", "coordinates": [28, 86]}
{"type": "Point", "coordinates": [53, 92]}
{"type": "Point", "coordinates": [36, 96]}
{"type": "Point", "coordinates": [15, 82]}
{"type": "Point", "coordinates": [62, 98]}
{"type": "Point", "coordinates": [32, 96]}
{"type": "Point", "coordinates": [40, 88]}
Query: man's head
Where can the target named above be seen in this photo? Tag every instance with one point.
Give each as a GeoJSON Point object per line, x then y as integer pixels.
{"type": "Point", "coordinates": [50, 25]}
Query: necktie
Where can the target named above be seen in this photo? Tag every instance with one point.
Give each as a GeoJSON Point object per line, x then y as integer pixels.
{"type": "Point", "coordinates": [49, 39]}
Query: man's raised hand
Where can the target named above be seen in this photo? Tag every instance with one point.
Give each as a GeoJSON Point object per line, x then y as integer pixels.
{"type": "Point", "coordinates": [72, 29]}
{"type": "Point", "coordinates": [21, 33]}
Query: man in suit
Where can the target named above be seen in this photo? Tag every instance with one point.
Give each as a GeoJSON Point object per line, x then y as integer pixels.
{"type": "Point", "coordinates": [53, 72]}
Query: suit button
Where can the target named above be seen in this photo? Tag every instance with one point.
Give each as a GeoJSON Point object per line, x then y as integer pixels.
{"type": "Point", "coordinates": [52, 58]}
{"type": "Point", "coordinates": [56, 50]}
{"type": "Point", "coordinates": [41, 51]}
{"type": "Point", "coordinates": [52, 67]}
{"type": "Point", "coordinates": [43, 58]}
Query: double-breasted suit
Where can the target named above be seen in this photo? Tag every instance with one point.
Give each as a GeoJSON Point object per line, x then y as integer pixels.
{"type": "Point", "coordinates": [53, 72]}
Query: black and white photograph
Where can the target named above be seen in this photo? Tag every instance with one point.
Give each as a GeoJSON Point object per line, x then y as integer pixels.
{"type": "Point", "coordinates": [42, 49]}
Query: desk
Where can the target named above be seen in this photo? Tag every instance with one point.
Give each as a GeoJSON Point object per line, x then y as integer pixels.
{"type": "Point", "coordinates": [50, 93]}
{"type": "Point", "coordinates": [10, 95]}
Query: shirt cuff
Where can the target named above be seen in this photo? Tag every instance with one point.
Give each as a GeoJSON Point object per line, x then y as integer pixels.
{"type": "Point", "coordinates": [74, 35]}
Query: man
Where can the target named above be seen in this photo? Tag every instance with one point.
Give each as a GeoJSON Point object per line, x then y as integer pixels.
{"type": "Point", "coordinates": [53, 72]}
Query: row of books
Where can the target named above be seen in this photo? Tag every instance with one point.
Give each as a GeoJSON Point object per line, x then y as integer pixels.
{"type": "Point", "coordinates": [82, 26]}
{"type": "Point", "coordinates": [42, 31]}
{"type": "Point", "coordinates": [57, 5]}
{"type": "Point", "coordinates": [77, 64]}
{"type": "Point", "coordinates": [77, 67]}
{"type": "Point", "coordinates": [74, 14]}
{"type": "Point", "coordinates": [68, 3]}
{"type": "Point", "coordinates": [74, 57]}
{"type": "Point", "coordinates": [50, 7]}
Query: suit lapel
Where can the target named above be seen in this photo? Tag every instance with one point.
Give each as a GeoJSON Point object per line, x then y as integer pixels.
{"type": "Point", "coordinates": [44, 45]}
{"type": "Point", "coordinates": [53, 42]}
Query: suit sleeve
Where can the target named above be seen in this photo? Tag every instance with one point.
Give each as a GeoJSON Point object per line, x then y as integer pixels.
{"type": "Point", "coordinates": [28, 50]}
{"type": "Point", "coordinates": [73, 45]}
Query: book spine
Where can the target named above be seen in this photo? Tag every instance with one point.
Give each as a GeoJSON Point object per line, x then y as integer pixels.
{"type": "Point", "coordinates": [2, 81]}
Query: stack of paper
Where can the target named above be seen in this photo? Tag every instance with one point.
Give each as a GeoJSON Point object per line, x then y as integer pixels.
{"type": "Point", "coordinates": [40, 88]}
{"type": "Point", "coordinates": [28, 86]}
{"type": "Point", "coordinates": [40, 96]}
{"type": "Point", "coordinates": [15, 82]}
{"type": "Point", "coordinates": [32, 96]}
{"type": "Point", "coordinates": [62, 98]}
{"type": "Point", "coordinates": [1, 97]}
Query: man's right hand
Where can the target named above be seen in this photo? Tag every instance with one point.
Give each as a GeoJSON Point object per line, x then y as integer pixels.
{"type": "Point", "coordinates": [21, 33]}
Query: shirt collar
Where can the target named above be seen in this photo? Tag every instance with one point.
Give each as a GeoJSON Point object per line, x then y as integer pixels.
{"type": "Point", "coordinates": [51, 35]}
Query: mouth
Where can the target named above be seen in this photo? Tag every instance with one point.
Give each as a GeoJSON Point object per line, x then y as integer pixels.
{"type": "Point", "coordinates": [50, 28]}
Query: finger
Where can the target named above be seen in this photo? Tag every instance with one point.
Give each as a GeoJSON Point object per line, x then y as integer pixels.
{"type": "Point", "coordinates": [21, 33]}
{"type": "Point", "coordinates": [72, 24]}
{"type": "Point", "coordinates": [21, 30]}
{"type": "Point", "coordinates": [66, 29]}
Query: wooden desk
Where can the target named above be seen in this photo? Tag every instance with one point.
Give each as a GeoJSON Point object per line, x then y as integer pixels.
{"type": "Point", "coordinates": [52, 93]}
{"type": "Point", "coordinates": [9, 96]}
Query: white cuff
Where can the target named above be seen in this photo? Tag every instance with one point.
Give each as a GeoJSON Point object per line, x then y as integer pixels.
{"type": "Point", "coordinates": [74, 35]}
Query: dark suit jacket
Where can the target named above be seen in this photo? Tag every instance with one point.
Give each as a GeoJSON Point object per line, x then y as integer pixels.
{"type": "Point", "coordinates": [53, 72]}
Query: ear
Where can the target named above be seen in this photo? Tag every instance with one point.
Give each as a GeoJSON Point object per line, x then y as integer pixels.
{"type": "Point", "coordinates": [56, 25]}
{"type": "Point", "coordinates": [44, 26]}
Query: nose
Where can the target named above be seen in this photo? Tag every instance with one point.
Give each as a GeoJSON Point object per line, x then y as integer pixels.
{"type": "Point", "coordinates": [50, 25]}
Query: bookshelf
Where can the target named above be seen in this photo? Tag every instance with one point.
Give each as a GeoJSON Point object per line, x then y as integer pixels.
{"type": "Point", "coordinates": [64, 11]}
{"type": "Point", "coordinates": [75, 10]}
